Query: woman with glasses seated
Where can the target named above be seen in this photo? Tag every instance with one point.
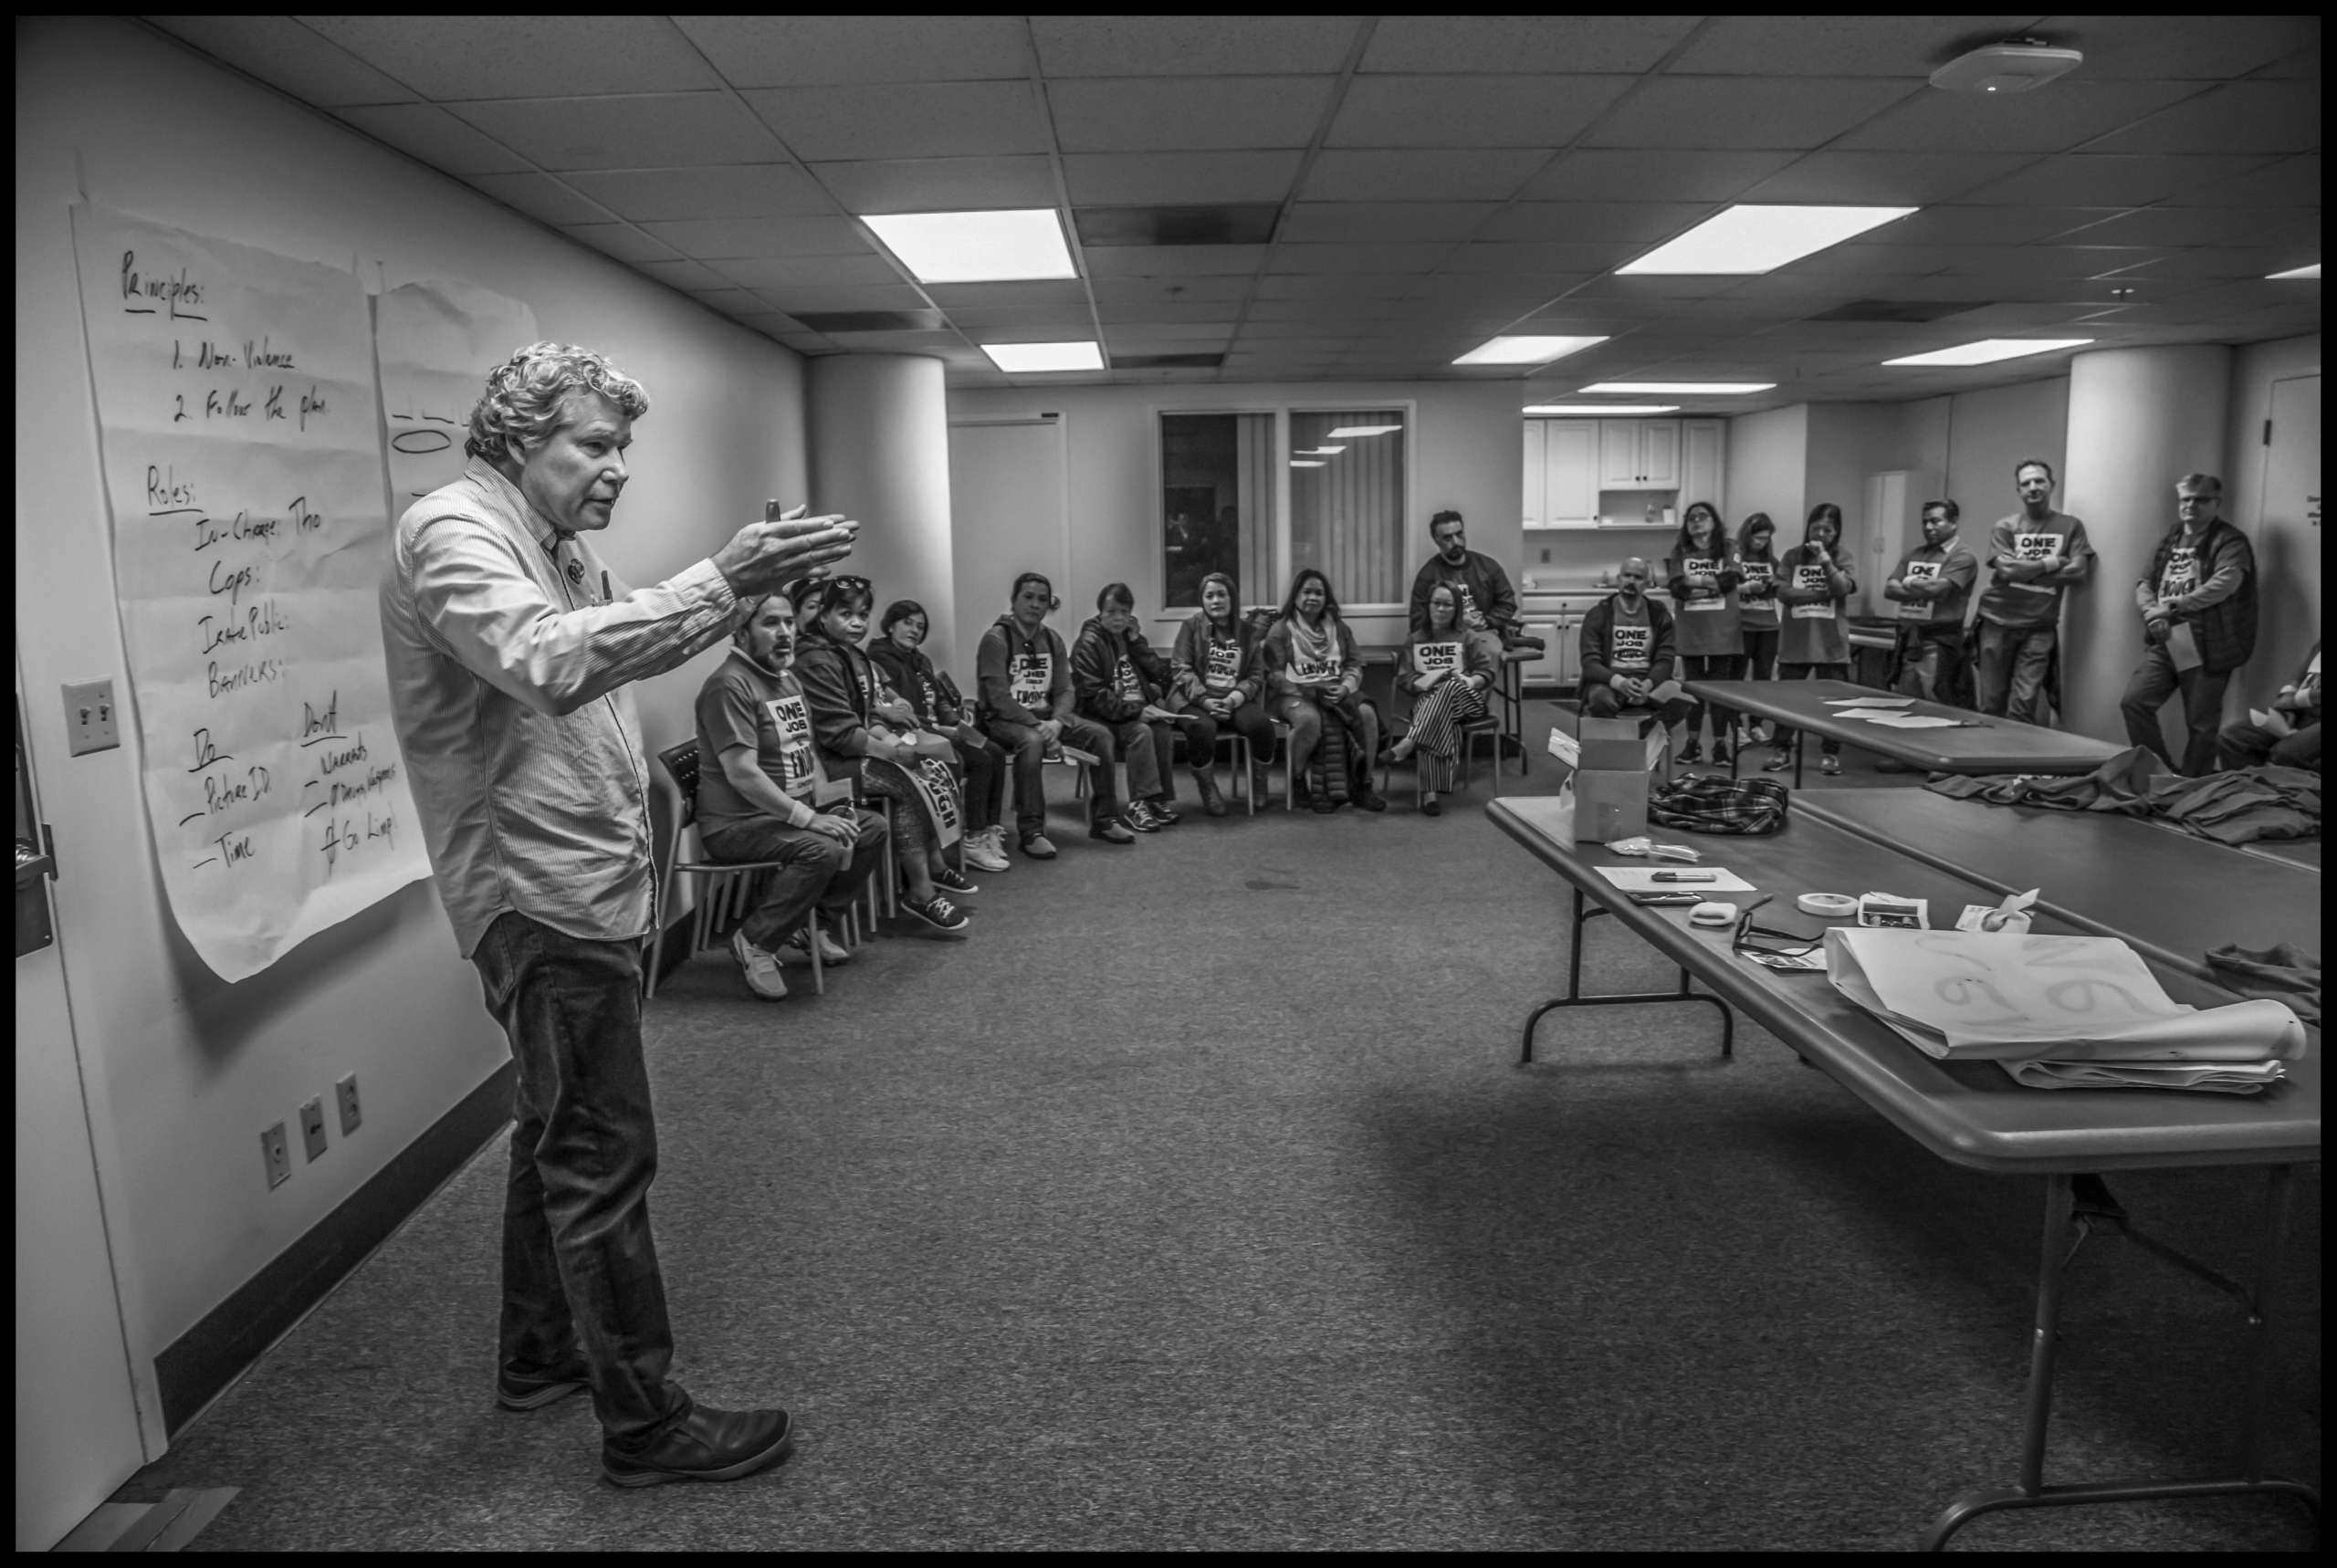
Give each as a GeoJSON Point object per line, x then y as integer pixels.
{"type": "Point", "coordinates": [1448, 673]}
{"type": "Point", "coordinates": [933, 697]}
{"type": "Point", "coordinates": [865, 729]}
{"type": "Point", "coordinates": [1123, 685]}
{"type": "Point", "coordinates": [1214, 668]}
{"type": "Point", "coordinates": [1313, 678]}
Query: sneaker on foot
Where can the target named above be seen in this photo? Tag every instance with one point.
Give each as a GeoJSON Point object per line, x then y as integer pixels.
{"type": "Point", "coordinates": [534, 1390]}
{"type": "Point", "coordinates": [1778, 762]}
{"type": "Point", "coordinates": [706, 1445]}
{"type": "Point", "coordinates": [1830, 763]}
{"type": "Point", "coordinates": [950, 881]}
{"type": "Point", "coordinates": [1430, 805]}
{"type": "Point", "coordinates": [1138, 818]}
{"type": "Point", "coordinates": [983, 853]}
{"type": "Point", "coordinates": [939, 914]}
{"type": "Point", "coordinates": [1112, 831]}
{"type": "Point", "coordinates": [1370, 800]}
{"type": "Point", "coordinates": [1164, 812]}
{"type": "Point", "coordinates": [1692, 752]}
{"type": "Point", "coordinates": [759, 968]}
{"type": "Point", "coordinates": [799, 947]}
{"type": "Point", "coordinates": [1036, 846]}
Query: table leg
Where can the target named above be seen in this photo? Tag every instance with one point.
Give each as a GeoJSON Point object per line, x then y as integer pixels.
{"type": "Point", "coordinates": [1575, 999]}
{"type": "Point", "coordinates": [2073, 1208]}
{"type": "Point", "coordinates": [1800, 737]}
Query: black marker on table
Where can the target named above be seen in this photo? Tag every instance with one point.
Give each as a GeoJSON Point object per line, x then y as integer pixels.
{"type": "Point", "coordinates": [1685, 876]}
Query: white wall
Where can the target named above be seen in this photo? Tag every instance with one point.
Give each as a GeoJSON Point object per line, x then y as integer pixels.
{"type": "Point", "coordinates": [1768, 468]}
{"type": "Point", "coordinates": [183, 1071]}
{"type": "Point", "coordinates": [1465, 447]}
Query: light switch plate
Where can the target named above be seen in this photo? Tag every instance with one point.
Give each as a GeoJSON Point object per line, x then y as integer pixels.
{"type": "Point", "coordinates": [91, 717]}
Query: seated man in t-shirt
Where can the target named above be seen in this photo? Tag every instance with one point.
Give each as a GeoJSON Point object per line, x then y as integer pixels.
{"type": "Point", "coordinates": [1627, 653]}
{"type": "Point", "coordinates": [2290, 734]}
{"type": "Point", "coordinates": [759, 780]}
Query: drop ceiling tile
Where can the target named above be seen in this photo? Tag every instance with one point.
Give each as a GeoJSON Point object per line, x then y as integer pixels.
{"type": "Point", "coordinates": [691, 276]}
{"type": "Point", "coordinates": [1883, 179]}
{"type": "Point", "coordinates": [769, 274]}
{"type": "Point", "coordinates": [1992, 224]}
{"type": "Point", "coordinates": [1559, 259]}
{"type": "Point", "coordinates": [1336, 286]}
{"type": "Point", "coordinates": [1422, 256]}
{"type": "Point", "coordinates": [1674, 175]}
{"type": "Point", "coordinates": [2288, 183]}
{"type": "Point", "coordinates": [731, 301]}
{"type": "Point", "coordinates": [1127, 312]}
{"type": "Point", "coordinates": [1778, 46]}
{"type": "Point", "coordinates": [564, 55]}
{"type": "Point", "coordinates": [621, 241]}
{"type": "Point", "coordinates": [1168, 337]}
{"type": "Point", "coordinates": [896, 343]}
{"type": "Point", "coordinates": [2207, 226]}
{"type": "Point", "coordinates": [1174, 260]}
{"type": "Point", "coordinates": [811, 51]}
{"type": "Point", "coordinates": [1627, 222]}
{"type": "Point", "coordinates": [2105, 180]}
{"type": "Point", "coordinates": [716, 239]}
{"type": "Point", "coordinates": [542, 197]}
{"type": "Point", "coordinates": [1188, 113]}
{"type": "Point", "coordinates": [924, 119]}
{"type": "Point", "coordinates": [1178, 179]}
{"type": "Point", "coordinates": [2239, 117]}
{"type": "Point", "coordinates": [2148, 43]}
{"type": "Point", "coordinates": [1337, 222]}
{"type": "Point", "coordinates": [437, 138]}
{"type": "Point", "coordinates": [2051, 120]}
{"type": "Point", "coordinates": [1737, 114]}
{"type": "Point", "coordinates": [2049, 314]}
{"type": "Point", "coordinates": [813, 301]}
{"type": "Point", "coordinates": [1191, 46]}
{"type": "Point", "coordinates": [940, 185]}
{"type": "Point", "coordinates": [1319, 310]}
{"type": "Point", "coordinates": [283, 53]}
{"type": "Point", "coordinates": [709, 191]}
{"type": "Point", "coordinates": [1601, 44]}
{"type": "Point", "coordinates": [1856, 261]}
{"type": "Point", "coordinates": [2224, 264]}
{"type": "Point", "coordinates": [1479, 174]}
{"type": "Point", "coordinates": [1070, 294]}
{"type": "Point", "coordinates": [1471, 111]}
{"type": "Point", "coordinates": [655, 132]}
{"type": "Point", "coordinates": [1666, 289]}
{"type": "Point", "coordinates": [1124, 291]}
{"type": "Point", "coordinates": [1037, 323]}
{"type": "Point", "coordinates": [2305, 62]}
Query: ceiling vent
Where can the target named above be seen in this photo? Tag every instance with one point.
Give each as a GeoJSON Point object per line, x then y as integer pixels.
{"type": "Point", "coordinates": [1248, 223]}
{"type": "Point", "coordinates": [1167, 361]}
{"type": "Point", "coordinates": [1898, 309]}
{"type": "Point", "coordinates": [872, 320]}
{"type": "Point", "coordinates": [2016, 65]}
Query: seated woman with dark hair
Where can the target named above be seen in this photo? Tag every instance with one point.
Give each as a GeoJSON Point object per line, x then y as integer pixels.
{"type": "Point", "coordinates": [1123, 685]}
{"type": "Point", "coordinates": [863, 730]}
{"type": "Point", "coordinates": [1312, 679]}
{"type": "Point", "coordinates": [1213, 667]}
{"type": "Point", "coordinates": [933, 697]}
{"type": "Point", "coordinates": [1447, 674]}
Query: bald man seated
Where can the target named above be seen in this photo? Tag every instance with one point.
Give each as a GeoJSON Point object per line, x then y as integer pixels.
{"type": "Point", "coordinates": [1628, 665]}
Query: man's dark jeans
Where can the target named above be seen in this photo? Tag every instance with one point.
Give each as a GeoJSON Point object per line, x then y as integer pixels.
{"type": "Point", "coordinates": [579, 1271]}
{"type": "Point", "coordinates": [2154, 680]}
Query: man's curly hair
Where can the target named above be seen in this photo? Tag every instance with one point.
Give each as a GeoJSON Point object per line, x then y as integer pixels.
{"type": "Point", "coordinates": [522, 401]}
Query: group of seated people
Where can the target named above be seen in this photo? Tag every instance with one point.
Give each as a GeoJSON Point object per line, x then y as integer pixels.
{"type": "Point", "coordinates": [816, 748]}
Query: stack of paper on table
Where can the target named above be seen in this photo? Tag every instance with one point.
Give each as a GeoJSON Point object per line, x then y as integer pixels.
{"type": "Point", "coordinates": [2057, 1012]}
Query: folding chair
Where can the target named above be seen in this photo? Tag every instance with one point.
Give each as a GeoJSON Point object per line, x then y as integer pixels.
{"type": "Point", "coordinates": [726, 890]}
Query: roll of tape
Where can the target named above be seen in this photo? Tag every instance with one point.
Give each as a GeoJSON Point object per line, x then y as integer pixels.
{"type": "Point", "coordinates": [1832, 906]}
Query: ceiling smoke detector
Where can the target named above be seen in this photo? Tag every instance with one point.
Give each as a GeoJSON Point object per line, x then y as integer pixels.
{"type": "Point", "coordinates": [2016, 65]}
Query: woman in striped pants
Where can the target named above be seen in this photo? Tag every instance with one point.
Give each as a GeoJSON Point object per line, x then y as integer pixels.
{"type": "Point", "coordinates": [1447, 674]}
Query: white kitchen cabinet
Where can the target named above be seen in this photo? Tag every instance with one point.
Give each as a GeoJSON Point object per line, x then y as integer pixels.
{"type": "Point", "coordinates": [1703, 462]}
{"type": "Point", "coordinates": [1561, 473]}
{"type": "Point", "coordinates": [1639, 454]}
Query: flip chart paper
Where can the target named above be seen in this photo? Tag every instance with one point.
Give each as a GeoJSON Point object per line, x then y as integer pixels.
{"type": "Point", "coordinates": [240, 437]}
{"type": "Point", "coordinates": [437, 339]}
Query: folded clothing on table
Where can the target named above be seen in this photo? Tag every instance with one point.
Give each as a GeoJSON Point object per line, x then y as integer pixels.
{"type": "Point", "coordinates": [2232, 808]}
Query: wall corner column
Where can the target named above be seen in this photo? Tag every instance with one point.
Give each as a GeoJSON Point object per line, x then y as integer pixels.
{"type": "Point", "coordinates": [879, 429]}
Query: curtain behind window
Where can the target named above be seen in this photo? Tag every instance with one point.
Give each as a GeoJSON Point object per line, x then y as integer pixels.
{"type": "Point", "coordinates": [1346, 517]}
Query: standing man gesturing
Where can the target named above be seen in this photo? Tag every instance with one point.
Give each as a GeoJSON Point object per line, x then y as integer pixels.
{"type": "Point", "coordinates": [510, 649]}
{"type": "Point", "coordinates": [2035, 556]}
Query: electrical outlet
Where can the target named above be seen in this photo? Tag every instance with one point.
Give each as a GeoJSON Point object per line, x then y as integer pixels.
{"type": "Point", "coordinates": [312, 1128]}
{"type": "Point", "coordinates": [1545, 558]}
{"type": "Point", "coordinates": [349, 1115]}
{"type": "Point", "coordinates": [279, 1156]}
{"type": "Point", "coordinates": [91, 719]}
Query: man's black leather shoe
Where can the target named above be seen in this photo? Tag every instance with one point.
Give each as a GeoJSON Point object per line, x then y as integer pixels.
{"type": "Point", "coordinates": [706, 1445]}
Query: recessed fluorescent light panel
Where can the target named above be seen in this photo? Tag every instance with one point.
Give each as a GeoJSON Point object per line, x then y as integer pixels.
{"type": "Point", "coordinates": [1522, 351]}
{"type": "Point", "coordinates": [1347, 430]}
{"type": "Point", "coordinates": [1752, 239]}
{"type": "Point", "coordinates": [2312, 271]}
{"type": "Point", "coordinates": [1988, 351]}
{"type": "Point", "coordinates": [1309, 463]}
{"type": "Point", "coordinates": [1025, 359]}
{"type": "Point", "coordinates": [1675, 388]}
{"type": "Point", "coordinates": [1602, 408]}
{"type": "Point", "coordinates": [1321, 452]}
{"type": "Point", "coordinates": [977, 247]}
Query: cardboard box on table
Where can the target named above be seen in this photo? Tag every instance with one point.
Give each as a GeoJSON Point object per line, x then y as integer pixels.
{"type": "Point", "coordinates": [1608, 763]}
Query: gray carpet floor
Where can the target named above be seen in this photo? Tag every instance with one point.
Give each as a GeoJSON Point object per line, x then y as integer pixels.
{"type": "Point", "coordinates": [1196, 1201]}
